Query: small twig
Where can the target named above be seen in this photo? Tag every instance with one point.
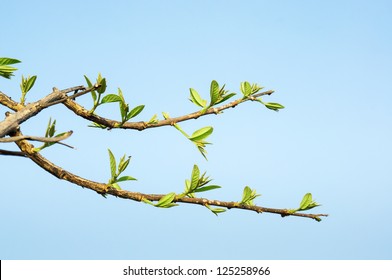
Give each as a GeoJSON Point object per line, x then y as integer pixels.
{"type": "Point", "coordinates": [40, 139]}
{"type": "Point", "coordinates": [12, 153]}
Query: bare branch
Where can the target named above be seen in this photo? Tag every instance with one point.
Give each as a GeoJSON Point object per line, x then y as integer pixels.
{"type": "Point", "coordinates": [36, 138]}
{"type": "Point", "coordinates": [12, 153]}
{"type": "Point", "coordinates": [56, 139]}
{"type": "Point", "coordinates": [105, 189]}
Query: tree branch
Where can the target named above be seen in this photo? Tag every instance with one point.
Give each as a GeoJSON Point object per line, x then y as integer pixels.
{"type": "Point", "coordinates": [86, 114]}
{"type": "Point", "coordinates": [36, 138]}
{"type": "Point", "coordinates": [7, 101]}
{"type": "Point", "coordinates": [23, 113]}
{"type": "Point", "coordinates": [105, 189]}
{"type": "Point", "coordinates": [12, 153]}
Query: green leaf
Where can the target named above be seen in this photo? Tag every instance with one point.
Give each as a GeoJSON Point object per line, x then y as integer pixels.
{"type": "Point", "coordinates": [194, 178]}
{"type": "Point", "coordinates": [153, 120]}
{"type": "Point", "coordinates": [30, 83]}
{"type": "Point", "coordinates": [102, 83]}
{"type": "Point", "coordinates": [203, 151]}
{"type": "Point", "coordinates": [201, 134]}
{"type": "Point", "coordinates": [112, 164]}
{"type": "Point", "coordinates": [207, 188]}
{"type": "Point", "coordinates": [196, 99]}
{"type": "Point", "coordinates": [97, 125]}
{"type": "Point", "coordinates": [135, 111]}
{"type": "Point", "coordinates": [6, 71]}
{"type": "Point", "coordinates": [145, 200]}
{"type": "Point", "coordinates": [307, 203]}
{"type": "Point", "coordinates": [90, 85]}
{"type": "Point", "coordinates": [126, 178]}
{"type": "Point", "coordinates": [274, 106]}
{"type": "Point", "coordinates": [214, 92]}
{"type": "Point", "coordinates": [51, 128]}
{"type": "Point", "coordinates": [306, 200]}
{"type": "Point", "coordinates": [8, 61]}
{"type": "Point", "coordinates": [248, 196]}
{"type": "Point", "coordinates": [187, 186]}
{"type": "Point", "coordinates": [124, 108]}
{"type": "Point", "coordinates": [111, 98]}
{"type": "Point", "coordinates": [166, 200]}
{"type": "Point", "coordinates": [116, 186]}
{"type": "Point", "coordinates": [246, 89]}
{"type": "Point", "coordinates": [123, 164]}
{"type": "Point", "coordinates": [226, 97]}
{"type": "Point", "coordinates": [216, 211]}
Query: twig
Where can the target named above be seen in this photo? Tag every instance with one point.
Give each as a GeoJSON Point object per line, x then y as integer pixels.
{"type": "Point", "coordinates": [12, 153]}
{"type": "Point", "coordinates": [40, 139]}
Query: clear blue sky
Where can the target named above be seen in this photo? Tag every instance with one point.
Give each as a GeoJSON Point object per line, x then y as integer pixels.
{"type": "Point", "coordinates": [330, 64]}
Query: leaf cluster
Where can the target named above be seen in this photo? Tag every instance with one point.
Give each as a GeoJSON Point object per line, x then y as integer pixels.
{"type": "Point", "coordinates": [197, 183]}
{"type": "Point", "coordinates": [96, 94]}
{"type": "Point", "coordinates": [217, 96]}
{"type": "Point", "coordinates": [6, 71]}
{"type": "Point", "coordinates": [25, 86]}
{"type": "Point", "coordinates": [115, 171]}
{"type": "Point", "coordinates": [50, 132]}
{"type": "Point", "coordinates": [248, 196]}
{"type": "Point", "coordinates": [307, 203]}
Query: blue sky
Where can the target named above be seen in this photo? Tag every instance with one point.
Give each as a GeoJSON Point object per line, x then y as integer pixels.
{"type": "Point", "coordinates": [330, 65]}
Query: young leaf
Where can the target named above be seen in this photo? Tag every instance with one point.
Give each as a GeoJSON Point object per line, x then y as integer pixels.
{"type": "Point", "coordinates": [27, 83]}
{"type": "Point", "coordinates": [273, 106]}
{"type": "Point", "coordinates": [145, 200]}
{"type": "Point", "coordinates": [110, 98]}
{"type": "Point", "coordinates": [124, 108]}
{"type": "Point", "coordinates": [224, 98]}
{"type": "Point", "coordinates": [200, 147]}
{"type": "Point", "coordinates": [194, 178]}
{"type": "Point", "coordinates": [187, 185]}
{"type": "Point", "coordinates": [307, 203]}
{"type": "Point", "coordinates": [116, 186]}
{"type": "Point", "coordinates": [166, 200]}
{"type": "Point", "coordinates": [246, 89]}
{"type": "Point", "coordinates": [196, 99]}
{"type": "Point", "coordinates": [6, 71]}
{"type": "Point", "coordinates": [201, 134]}
{"type": "Point", "coordinates": [8, 61]}
{"type": "Point", "coordinates": [102, 83]}
{"type": "Point", "coordinates": [123, 164]}
{"type": "Point", "coordinates": [126, 178]}
{"type": "Point", "coordinates": [51, 128]}
{"type": "Point", "coordinates": [135, 111]}
{"type": "Point", "coordinates": [90, 85]}
{"type": "Point", "coordinates": [216, 211]}
{"type": "Point", "coordinates": [112, 164]}
{"type": "Point", "coordinates": [214, 92]}
{"type": "Point", "coordinates": [97, 125]}
{"type": "Point", "coordinates": [248, 196]}
{"type": "Point", "coordinates": [153, 120]}
{"type": "Point", "coordinates": [207, 188]}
